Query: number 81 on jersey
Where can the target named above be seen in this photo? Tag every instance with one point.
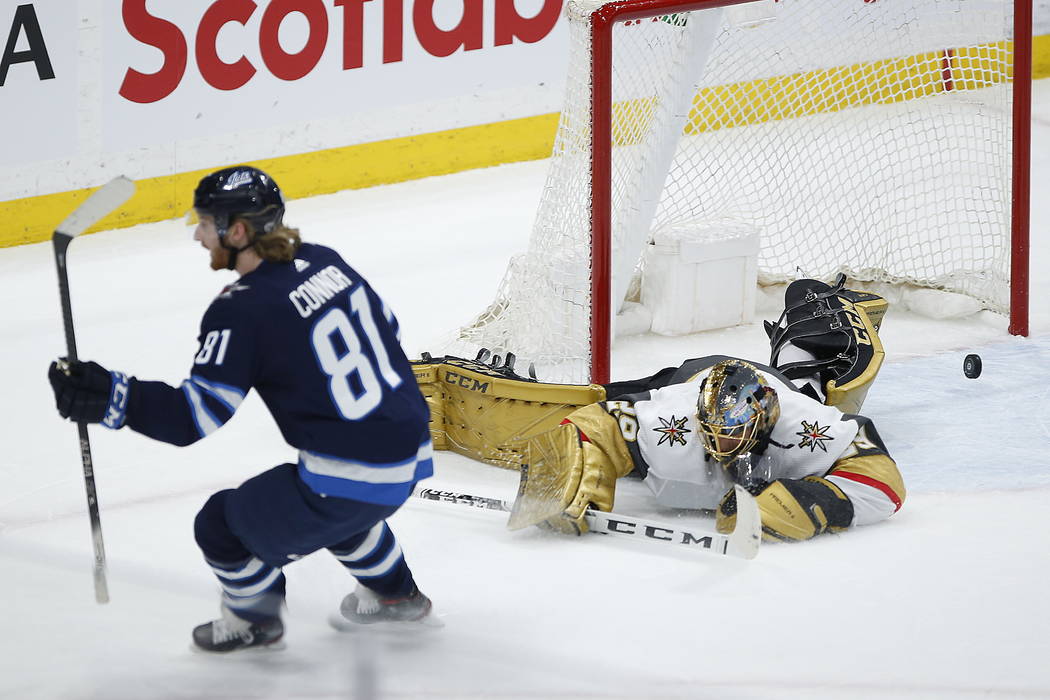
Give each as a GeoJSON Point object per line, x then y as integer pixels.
{"type": "Point", "coordinates": [341, 356]}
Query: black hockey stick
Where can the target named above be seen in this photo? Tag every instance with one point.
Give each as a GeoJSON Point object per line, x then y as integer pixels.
{"type": "Point", "coordinates": [742, 543]}
{"type": "Point", "coordinates": [101, 202]}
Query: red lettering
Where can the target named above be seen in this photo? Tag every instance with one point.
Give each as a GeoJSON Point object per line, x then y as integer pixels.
{"type": "Point", "coordinates": [393, 31]}
{"type": "Point", "coordinates": [289, 66]}
{"type": "Point", "coordinates": [510, 25]}
{"type": "Point", "coordinates": [353, 32]}
{"type": "Point", "coordinates": [144, 88]}
{"type": "Point", "coordinates": [217, 73]}
{"type": "Point", "coordinates": [439, 42]}
{"type": "Point", "coordinates": [467, 35]}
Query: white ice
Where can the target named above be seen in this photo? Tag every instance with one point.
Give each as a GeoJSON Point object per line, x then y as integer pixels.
{"type": "Point", "coordinates": [947, 599]}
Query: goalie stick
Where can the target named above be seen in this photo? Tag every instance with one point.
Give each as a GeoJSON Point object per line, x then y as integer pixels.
{"type": "Point", "coordinates": [101, 202]}
{"type": "Point", "coordinates": [742, 543]}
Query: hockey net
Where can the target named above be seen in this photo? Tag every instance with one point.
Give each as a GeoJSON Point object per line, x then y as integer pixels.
{"type": "Point", "coordinates": [873, 138]}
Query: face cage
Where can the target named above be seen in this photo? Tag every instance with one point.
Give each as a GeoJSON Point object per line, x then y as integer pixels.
{"type": "Point", "coordinates": [745, 435]}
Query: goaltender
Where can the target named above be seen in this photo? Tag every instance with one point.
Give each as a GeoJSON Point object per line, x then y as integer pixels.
{"type": "Point", "coordinates": [788, 432]}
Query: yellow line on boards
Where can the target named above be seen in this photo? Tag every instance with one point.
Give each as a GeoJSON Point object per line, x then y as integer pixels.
{"type": "Point", "coordinates": [32, 219]}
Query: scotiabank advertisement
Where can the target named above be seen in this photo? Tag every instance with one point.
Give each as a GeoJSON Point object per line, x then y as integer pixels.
{"type": "Point", "coordinates": [175, 69]}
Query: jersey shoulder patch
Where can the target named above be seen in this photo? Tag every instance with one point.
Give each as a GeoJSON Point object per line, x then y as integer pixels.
{"type": "Point", "coordinates": [811, 427]}
{"type": "Point", "coordinates": [227, 311]}
{"type": "Point", "coordinates": [229, 290]}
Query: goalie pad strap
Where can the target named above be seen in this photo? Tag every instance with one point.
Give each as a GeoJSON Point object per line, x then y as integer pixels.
{"type": "Point", "coordinates": [840, 328]}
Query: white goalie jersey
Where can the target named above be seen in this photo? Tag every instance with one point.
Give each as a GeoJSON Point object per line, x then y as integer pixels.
{"type": "Point", "coordinates": [810, 439]}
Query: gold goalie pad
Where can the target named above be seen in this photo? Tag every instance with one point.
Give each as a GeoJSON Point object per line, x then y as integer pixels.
{"type": "Point", "coordinates": [865, 312]}
{"type": "Point", "coordinates": [839, 327]}
{"type": "Point", "coordinates": [488, 413]}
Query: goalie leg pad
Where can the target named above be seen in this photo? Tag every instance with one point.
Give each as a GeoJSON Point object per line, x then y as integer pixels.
{"type": "Point", "coordinates": [487, 413]}
{"type": "Point", "coordinates": [839, 327]}
{"type": "Point", "coordinates": [793, 509]}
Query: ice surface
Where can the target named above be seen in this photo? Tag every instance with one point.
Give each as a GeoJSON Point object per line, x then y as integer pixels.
{"type": "Point", "coordinates": [947, 599]}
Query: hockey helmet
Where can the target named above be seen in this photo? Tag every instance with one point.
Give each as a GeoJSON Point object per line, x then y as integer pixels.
{"type": "Point", "coordinates": [241, 191]}
{"type": "Point", "coordinates": [736, 410]}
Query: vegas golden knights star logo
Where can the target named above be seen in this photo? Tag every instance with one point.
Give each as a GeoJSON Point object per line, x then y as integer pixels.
{"type": "Point", "coordinates": [674, 431]}
{"type": "Point", "coordinates": [813, 436]}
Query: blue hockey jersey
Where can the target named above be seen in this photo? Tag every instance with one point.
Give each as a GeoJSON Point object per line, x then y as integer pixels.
{"type": "Point", "coordinates": [323, 351]}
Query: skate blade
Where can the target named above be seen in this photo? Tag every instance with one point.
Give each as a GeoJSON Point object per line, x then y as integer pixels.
{"type": "Point", "coordinates": [341, 624]}
{"type": "Point", "coordinates": [279, 645]}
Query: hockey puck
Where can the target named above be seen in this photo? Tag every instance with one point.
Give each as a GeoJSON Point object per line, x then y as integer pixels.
{"type": "Point", "coordinates": [972, 366]}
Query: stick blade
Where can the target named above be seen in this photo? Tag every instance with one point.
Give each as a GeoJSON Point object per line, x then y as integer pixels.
{"type": "Point", "coordinates": [101, 587]}
{"type": "Point", "coordinates": [101, 202]}
{"type": "Point", "coordinates": [747, 535]}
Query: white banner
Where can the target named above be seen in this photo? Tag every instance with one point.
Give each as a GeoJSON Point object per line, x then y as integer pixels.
{"type": "Point", "coordinates": [1041, 17]}
{"type": "Point", "coordinates": [175, 70]}
{"type": "Point", "coordinates": [38, 80]}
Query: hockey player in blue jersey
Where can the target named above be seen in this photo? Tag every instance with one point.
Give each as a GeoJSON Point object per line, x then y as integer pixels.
{"type": "Point", "coordinates": [309, 334]}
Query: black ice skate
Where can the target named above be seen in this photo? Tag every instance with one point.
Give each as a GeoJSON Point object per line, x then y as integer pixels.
{"type": "Point", "coordinates": [366, 607]}
{"type": "Point", "coordinates": [231, 633]}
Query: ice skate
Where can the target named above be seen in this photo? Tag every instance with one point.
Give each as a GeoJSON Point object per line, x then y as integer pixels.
{"type": "Point", "coordinates": [366, 607]}
{"type": "Point", "coordinates": [232, 633]}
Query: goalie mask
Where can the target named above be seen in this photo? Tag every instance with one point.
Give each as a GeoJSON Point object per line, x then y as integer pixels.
{"type": "Point", "coordinates": [736, 411]}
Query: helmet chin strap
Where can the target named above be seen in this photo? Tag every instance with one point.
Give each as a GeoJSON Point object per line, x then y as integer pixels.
{"type": "Point", "coordinates": [231, 258]}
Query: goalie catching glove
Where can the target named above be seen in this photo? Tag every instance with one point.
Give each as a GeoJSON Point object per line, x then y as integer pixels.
{"type": "Point", "coordinates": [792, 509]}
{"type": "Point", "coordinates": [566, 473]}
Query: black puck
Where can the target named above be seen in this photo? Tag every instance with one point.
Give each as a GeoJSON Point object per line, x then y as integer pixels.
{"type": "Point", "coordinates": [972, 366]}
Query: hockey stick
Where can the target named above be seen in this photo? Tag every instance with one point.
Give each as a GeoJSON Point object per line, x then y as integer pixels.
{"type": "Point", "coordinates": [742, 543]}
{"type": "Point", "coordinates": [101, 202]}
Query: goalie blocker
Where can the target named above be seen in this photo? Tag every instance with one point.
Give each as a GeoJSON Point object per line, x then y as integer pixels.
{"type": "Point", "coordinates": [485, 410]}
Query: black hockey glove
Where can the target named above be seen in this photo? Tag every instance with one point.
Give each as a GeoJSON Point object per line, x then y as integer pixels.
{"type": "Point", "coordinates": [86, 392]}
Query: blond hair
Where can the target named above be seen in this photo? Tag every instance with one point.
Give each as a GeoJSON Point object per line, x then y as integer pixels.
{"type": "Point", "coordinates": [279, 245]}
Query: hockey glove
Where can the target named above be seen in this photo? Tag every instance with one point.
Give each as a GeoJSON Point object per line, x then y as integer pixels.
{"type": "Point", "coordinates": [792, 509]}
{"type": "Point", "coordinates": [86, 392]}
{"type": "Point", "coordinates": [567, 473]}
{"type": "Point", "coordinates": [550, 482]}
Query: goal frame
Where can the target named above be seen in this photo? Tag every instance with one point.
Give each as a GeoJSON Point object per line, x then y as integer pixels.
{"type": "Point", "coordinates": [602, 22]}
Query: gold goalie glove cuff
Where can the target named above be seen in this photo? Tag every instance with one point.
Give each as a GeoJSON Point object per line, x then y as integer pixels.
{"type": "Point", "coordinates": [566, 474]}
{"type": "Point", "coordinates": [793, 509]}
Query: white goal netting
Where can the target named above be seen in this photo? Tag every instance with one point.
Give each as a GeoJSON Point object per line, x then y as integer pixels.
{"type": "Point", "coordinates": [871, 138]}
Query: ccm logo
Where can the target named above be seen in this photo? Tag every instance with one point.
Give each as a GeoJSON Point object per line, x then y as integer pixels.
{"type": "Point", "coordinates": [348, 24]}
{"type": "Point", "coordinates": [625, 527]}
{"type": "Point", "coordinates": [854, 320]}
{"type": "Point", "coordinates": [466, 382]}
